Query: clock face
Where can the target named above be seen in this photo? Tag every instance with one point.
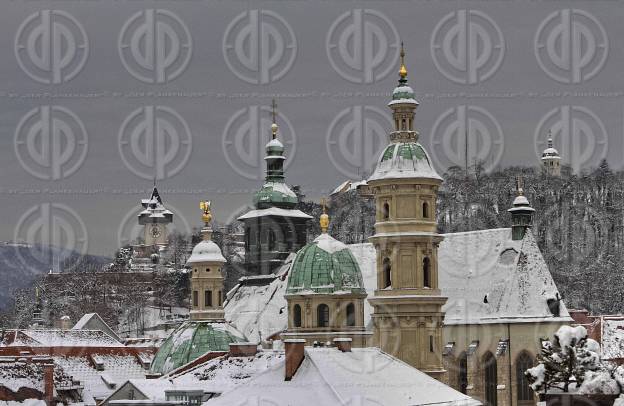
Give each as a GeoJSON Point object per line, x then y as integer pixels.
{"type": "Point", "coordinates": [155, 232]}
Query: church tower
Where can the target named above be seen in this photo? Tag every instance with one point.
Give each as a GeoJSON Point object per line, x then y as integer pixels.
{"type": "Point", "coordinates": [521, 213]}
{"type": "Point", "coordinates": [551, 160]}
{"type": "Point", "coordinates": [154, 218]}
{"type": "Point", "coordinates": [274, 228]}
{"type": "Point", "coordinates": [206, 262]}
{"type": "Point", "coordinates": [407, 303]}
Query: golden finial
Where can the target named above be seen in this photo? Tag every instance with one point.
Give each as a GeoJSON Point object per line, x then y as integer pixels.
{"type": "Point", "coordinates": [324, 221]}
{"type": "Point", "coordinates": [403, 69]}
{"type": "Point", "coordinates": [37, 292]}
{"type": "Point", "coordinates": [274, 117]}
{"type": "Point", "coordinates": [206, 213]}
{"type": "Point", "coordinates": [520, 185]}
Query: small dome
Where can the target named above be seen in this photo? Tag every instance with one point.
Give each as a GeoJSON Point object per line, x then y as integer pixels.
{"type": "Point", "coordinates": [274, 147]}
{"type": "Point", "coordinates": [403, 94]}
{"type": "Point", "coordinates": [325, 266]}
{"type": "Point", "coordinates": [275, 194]}
{"type": "Point", "coordinates": [550, 153]}
{"type": "Point", "coordinates": [404, 160]}
{"type": "Point", "coordinates": [206, 251]}
{"type": "Point", "coordinates": [192, 340]}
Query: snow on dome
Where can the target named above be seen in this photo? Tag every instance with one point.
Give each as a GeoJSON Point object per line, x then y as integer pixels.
{"type": "Point", "coordinates": [274, 143]}
{"type": "Point", "coordinates": [206, 251]}
{"type": "Point", "coordinates": [404, 160]}
{"type": "Point", "coordinates": [550, 153]}
{"type": "Point", "coordinates": [325, 266]}
{"type": "Point", "coordinates": [403, 94]}
{"type": "Point", "coordinates": [521, 201]}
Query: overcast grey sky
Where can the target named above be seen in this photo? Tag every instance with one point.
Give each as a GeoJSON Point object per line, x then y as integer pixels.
{"type": "Point", "coordinates": [501, 71]}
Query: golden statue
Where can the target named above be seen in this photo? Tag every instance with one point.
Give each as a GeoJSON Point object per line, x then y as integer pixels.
{"type": "Point", "coordinates": [324, 221]}
{"type": "Point", "coordinates": [206, 213]}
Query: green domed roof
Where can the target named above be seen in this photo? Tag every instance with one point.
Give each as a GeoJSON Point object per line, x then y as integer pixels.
{"type": "Point", "coordinates": [404, 160]}
{"type": "Point", "coordinates": [192, 340]}
{"type": "Point", "coordinates": [275, 194]}
{"type": "Point", "coordinates": [325, 266]}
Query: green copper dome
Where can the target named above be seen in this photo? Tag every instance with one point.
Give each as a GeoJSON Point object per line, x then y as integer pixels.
{"type": "Point", "coordinates": [404, 160]}
{"type": "Point", "coordinates": [275, 194]}
{"type": "Point", "coordinates": [325, 266]}
{"type": "Point", "coordinates": [192, 340]}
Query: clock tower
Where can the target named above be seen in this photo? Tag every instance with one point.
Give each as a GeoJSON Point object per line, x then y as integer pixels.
{"type": "Point", "coordinates": [154, 218]}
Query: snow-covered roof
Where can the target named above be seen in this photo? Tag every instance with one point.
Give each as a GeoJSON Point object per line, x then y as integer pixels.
{"type": "Point", "coordinates": [612, 337]}
{"type": "Point", "coordinates": [206, 251]}
{"type": "Point", "coordinates": [274, 211]}
{"type": "Point", "coordinates": [328, 376]}
{"type": "Point", "coordinates": [62, 338]}
{"type": "Point", "coordinates": [93, 321]}
{"type": "Point", "coordinates": [18, 374]}
{"type": "Point", "coordinates": [404, 160]}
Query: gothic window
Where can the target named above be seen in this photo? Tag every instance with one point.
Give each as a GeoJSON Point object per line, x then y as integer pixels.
{"type": "Point", "coordinates": [195, 298]}
{"type": "Point", "coordinates": [385, 211]}
{"type": "Point", "coordinates": [322, 315]}
{"type": "Point", "coordinates": [463, 373]}
{"type": "Point", "coordinates": [525, 393]}
{"type": "Point", "coordinates": [208, 298]}
{"type": "Point", "coordinates": [387, 272]}
{"type": "Point", "coordinates": [350, 315]}
{"type": "Point", "coordinates": [426, 272]}
{"type": "Point", "coordinates": [425, 210]}
{"type": "Point", "coordinates": [297, 316]}
{"type": "Point", "coordinates": [490, 377]}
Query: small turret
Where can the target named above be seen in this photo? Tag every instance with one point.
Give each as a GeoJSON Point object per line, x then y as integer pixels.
{"type": "Point", "coordinates": [551, 160]}
{"type": "Point", "coordinates": [521, 213]}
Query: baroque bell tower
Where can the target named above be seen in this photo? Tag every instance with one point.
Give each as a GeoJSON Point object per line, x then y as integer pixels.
{"type": "Point", "coordinates": [407, 303]}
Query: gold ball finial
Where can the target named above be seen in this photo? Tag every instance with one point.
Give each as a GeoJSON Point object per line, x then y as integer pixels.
{"type": "Point", "coordinates": [206, 213]}
{"type": "Point", "coordinates": [324, 220]}
{"type": "Point", "coordinates": [402, 69]}
{"type": "Point", "coordinates": [274, 117]}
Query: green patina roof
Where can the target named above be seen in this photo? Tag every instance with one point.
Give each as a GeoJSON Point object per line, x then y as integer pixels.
{"type": "Point", "coordinates": [408, 150]}
{"type": "Point", "coordinates": [192, 340]}
{"type": "Point", "coordinates": [402, 92]}
{"type": "Point", "coordinates": [274, 194]}
{"type": "Point", "coordinates": [325, 266]}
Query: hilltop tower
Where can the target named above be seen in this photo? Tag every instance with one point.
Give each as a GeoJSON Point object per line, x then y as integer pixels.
{"type": "Point", "coordinates": [407, 303]}
{"type": "Point", "coordinates": [551, 161]}
{"type": "Point", "coordinates": [326, 293]}
{"type": "Point", "coordinates": [274, 228]}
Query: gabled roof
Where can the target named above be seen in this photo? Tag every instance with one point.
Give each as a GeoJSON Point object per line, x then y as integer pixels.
{"type": "Point", "coordinates": [93, 321]}
{"type": "Point", "coordinates": [59, 338]}
{"type": "Point", "coordinates": [328, 376]}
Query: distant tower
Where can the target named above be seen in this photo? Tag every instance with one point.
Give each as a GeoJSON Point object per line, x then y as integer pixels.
{"type": "Point", "coordinates": [326, 293]}
{"type": "Point", "coordinates": [206, 262]}
{"type": "Point", "coordinates": [551, 160]}
{"type": "Point", "coordinates": [407, 304]}
{"type": "Point", "coordinates": [521, 213]}
{"type": "Point", "coordinates": [37, 321]}
{"type": "Point", "coordinates": [154, 219]}
{"type": "Point", "coordinates": [275, 228]}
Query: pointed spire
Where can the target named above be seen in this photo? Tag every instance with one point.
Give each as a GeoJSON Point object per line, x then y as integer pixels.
{"type": "Point", "coordinates": [402, 69]}
{"type": "Point", "coordinates": [274, 127]}
{"type": "Point", "coordinates": [324, 220]}
{"type": "Point", "coordinates": [550, 140]}
{"type": "Point", "coordinates": [519, 185]}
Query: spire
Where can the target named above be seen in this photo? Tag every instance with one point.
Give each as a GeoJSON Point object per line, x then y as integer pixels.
{"type": "Point", "coordinates": [519, 185]}
{"type": "Point", "coordinates": [521, 212]}
{"type": "Point", "coordinates": [274, 127]}
{"type": "Point", "coordinates": [207, 219]}
{"type": "Point", "coordinates": [402, 69]}
{"type": "Point", "coordinates": [324, 220]}
{"type": "Point", "coordinates": [550, 140]}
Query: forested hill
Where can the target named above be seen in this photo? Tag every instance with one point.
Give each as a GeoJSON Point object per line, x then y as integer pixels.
{"type": "Point", "coordinates": [578, 223]}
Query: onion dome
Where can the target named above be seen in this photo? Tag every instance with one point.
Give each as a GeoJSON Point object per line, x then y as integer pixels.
{"type": "Point", "coordinates": [325, 265]}
{"type": "Point", "coordinates": [550, 152]}
{"type": "Point", "coordinates": [403, 93]}
{"type": "Point", "coordinates": [192, 340]}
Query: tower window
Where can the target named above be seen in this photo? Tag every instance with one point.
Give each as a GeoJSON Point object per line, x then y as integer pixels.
{"type": "Point", "coordinates": [426, 272]}
{"type": "Point", "coordinates": [195, 298]}
{"type": "Point", "coordinates": [385, 211]}
{"type": "Point", "coordinates": [350, 315]}
{"type": "Point", "coordinates": [425, 210]}
{"type": "Point", "coordinates": [207, 269]}
{"type": "Point", "coordinates": [297, 316]}
{"type": "Point", "coordinates": [220, 294]}
{"type": "Point", "coordinates": [431, 347]}
{"type": "Point", "coordinates": [322, 314]}
{"type": "Point", "coordinates": [387, 272]}
{"type": "Point", "coordinates": [271, 240]}
{"type": "Point", "coordinates": [208, 298]}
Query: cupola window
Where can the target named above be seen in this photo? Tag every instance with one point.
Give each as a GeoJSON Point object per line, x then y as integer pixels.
{"type": "Point", "coordinates": [322, 314]}
{"type": "Point", "coordinates": [297, 316]}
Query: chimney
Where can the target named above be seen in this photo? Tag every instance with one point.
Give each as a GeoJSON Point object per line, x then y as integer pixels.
{"type": "Point", "coordinates": [343, 343]}
{"type": "Point", "coordinates": [48, 382]}
{"type": "Point", "coordinates": [294, 356]}
{"type": "Point", "coordinates": [243, 349]}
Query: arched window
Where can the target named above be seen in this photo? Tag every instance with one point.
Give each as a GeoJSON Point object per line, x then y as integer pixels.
{"type": "Point", "coordinates": [426, 272]}
{"type": "Point", "coordinates": [208, 298]}
{"type": "Point", "coordinates": [463, 373]}
{"type": "Point", "coordinates": [525, 393]}
{"type": "Point", "coordinates": [387, 272]}
{"type": "Point", "coordinates": [271, 239]}
{"type": "Point", "coordinates": [297, 316]}
{"type": "Point", "coordinates": [425, 210]}
{"type": "Point", "coordinates": [195, 298]}
{"type": "Point", "coordinates": [490, 377]}
{"type": "Point", "coordinates": [207, 270]}
{"type": "Point", "coordinates": [385, 211]}
{"type": "Point", "coordinates": [220, 296]}
{"type": "Point", "coordinates": [322, 315]}
{"type": "Point", "coordinates": [350, 315]}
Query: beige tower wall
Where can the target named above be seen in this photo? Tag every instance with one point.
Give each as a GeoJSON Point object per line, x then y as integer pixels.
{"type": "Point", "coordinates": [207, 277]}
